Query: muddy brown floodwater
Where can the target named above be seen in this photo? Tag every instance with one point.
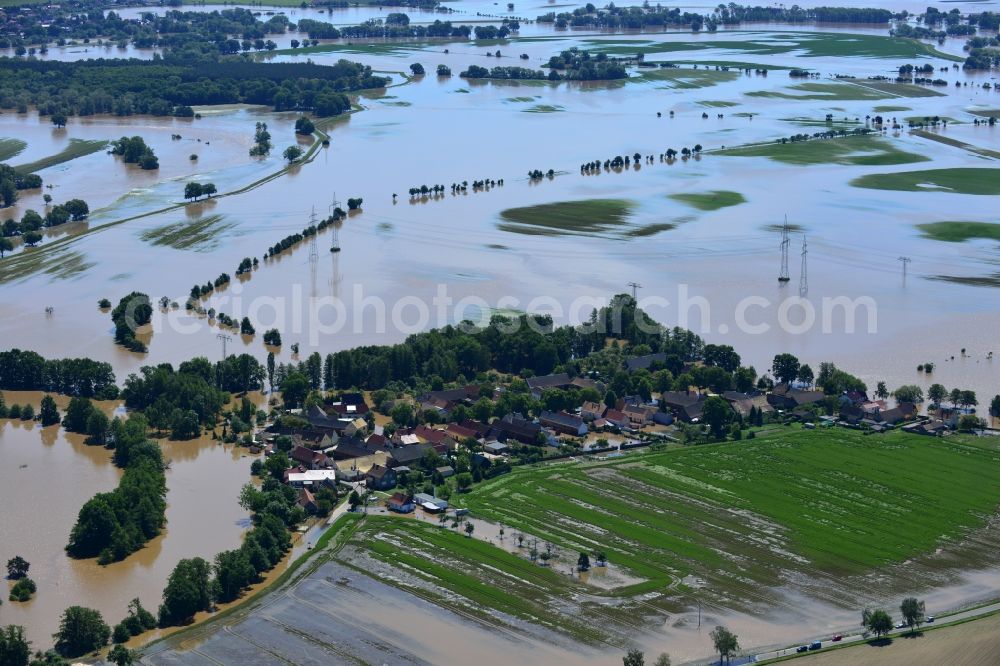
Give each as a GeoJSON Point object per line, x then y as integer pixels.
{"type": "Point", "coordinates": [47, 474]}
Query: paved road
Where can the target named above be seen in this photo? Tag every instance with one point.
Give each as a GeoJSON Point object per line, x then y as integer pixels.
{"type": "Point", "coordinates": [858, 638]}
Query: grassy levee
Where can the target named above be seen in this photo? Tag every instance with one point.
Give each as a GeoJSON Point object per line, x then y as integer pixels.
{"type": "Point", "coordinates": [863, 150]}
{"type": "Point", "coordinates": [956, 181]}
{"type": "Point", "coordinates": [76, 148]}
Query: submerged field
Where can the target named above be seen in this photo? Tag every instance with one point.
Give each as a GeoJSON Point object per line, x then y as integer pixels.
{"type": "Point", "coordinates": [855, 150]}
{"type": "Point", "coordinates": [957, 181]}
{"type": "Point", "coordinates": [958, 232]}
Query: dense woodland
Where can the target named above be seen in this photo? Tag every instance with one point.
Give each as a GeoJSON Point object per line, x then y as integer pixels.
{"type": "Point", "coordinates": [171, 86]}
{"type": "Point", "coordinates": [113, 525]}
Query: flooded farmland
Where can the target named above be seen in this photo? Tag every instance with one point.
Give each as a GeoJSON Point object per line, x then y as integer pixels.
{"type": "Point", "coordinates": [698, 260]}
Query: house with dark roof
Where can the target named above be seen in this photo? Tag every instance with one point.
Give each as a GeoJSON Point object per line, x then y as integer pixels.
{"type": "Point", "coordinates": [904, 411]}
{"type": "Point", "coordinates": [430, 435]}
{"type": "Point", "coordinates": [539, 384]}
{"type": "Point", "coordinates": [407, 455]}
{"type": "Point", "coordinates": [616, 418]}
{"type": "Point", "coordinates": [514, 426]}
{"type": "Point", "coordinates": [308, 458]}
{"type": "Point", "coordinates": [686, 405]}
{"type": "Point", "coordinates": [786, 397]}
{"type": "Point", "coordinates": [477, 427]}
{"type": "Point", "coordinates": [563, 422]}
{"type": "Point", "coordinates": [320, 419]}
{"type": "Point", "coordinates": [459, 432]}
{"type": "Point", "coordinates": [307, 501]}
{"type": "Point", "coordinates": [644, 362]}
{"type": "Point", "coordinates": [380, 478]}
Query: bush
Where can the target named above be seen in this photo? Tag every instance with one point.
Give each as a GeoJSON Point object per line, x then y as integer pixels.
{"type": "Point", "coordinates": [23, 590]}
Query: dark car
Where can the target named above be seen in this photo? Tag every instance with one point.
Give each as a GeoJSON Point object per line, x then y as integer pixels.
{"type": "Point", "coordinates": [801, 648]}
{"type": "Point", "coordinates": [815, 645]}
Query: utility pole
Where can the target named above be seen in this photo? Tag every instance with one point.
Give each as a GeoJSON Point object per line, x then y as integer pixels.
{"type": "Point", "coordinates": [635, 289]}
{"type": "Point", "coordinates": [335, 240]}
{"type": "Point", "coordinates": [804, 277]}
{"type": "Point", "coordinates": [225, 338]}
{"type": "Point", "coordinates": [313, 253]}
{"type": "Point", "coordinates": [783, 274]}
{"type": "Point", "coordinates": [905, 261]}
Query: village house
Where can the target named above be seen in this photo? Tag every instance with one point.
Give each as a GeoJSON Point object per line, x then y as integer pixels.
{"type": "Point", "coordinates": [785, 397]}
{"type": "Point", "coordinates": [430, 503]}
{"type": "Point", "coordinates": [407, 455]}
{"type": "Point", "coordinates": [380, 478]}
{"type": "Point", "coordinates": [460, 433]}
{"type": "Point", "coordinates": [616, 418]}
{"type": "Point", "coordinates": [446, 471]}
{"type": "Point", "coordinates": [307, 501]}
{"type": "Point", "coordinates": [591, 411]}
{"type": "Point", "coordinates": [516, 427]}
{"type": "Point", "coordinates": [356, 428]}
{"type": "Point", "coordinates": [686, 405]}
{"type": "Point", "coordinates": [639, 415]}
{"type": "Point", "coordinates": [309, 458]}
{"type": "Point", "coordinates": [400, 503]}
{"type": "Point", "coordinates": [564, 423]}
{"type": "Point", "coordinates": [644, 362]}
{"type": "Point", "coordinates": [904, 411]}
{"type": "Point", "coordinates": [299, 477]}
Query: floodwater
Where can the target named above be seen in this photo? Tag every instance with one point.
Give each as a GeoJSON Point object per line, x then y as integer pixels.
{"type": "Point", "coordinates": [48, 474]}
{"type": "Point", "coordinates": [412, 248]}
{"type": "Point", "coordinates": [696, 263]}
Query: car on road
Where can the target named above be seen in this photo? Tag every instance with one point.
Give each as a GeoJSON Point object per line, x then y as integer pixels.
{"type": "Point", "coordinates": [902, 625]}
{"type": "Point", "coordinates": [930, 618]}
{"type": "Point", "coordinates": [815, 645]}
{"type": "Point", "coordinates": [838, 637]}
{"type": "Point", "coordinates": [801, 648]}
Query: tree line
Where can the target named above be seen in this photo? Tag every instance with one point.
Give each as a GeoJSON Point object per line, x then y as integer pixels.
{"type": "Point", "coordinates": [29, 371]}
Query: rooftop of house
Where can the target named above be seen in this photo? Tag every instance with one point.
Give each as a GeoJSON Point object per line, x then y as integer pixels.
{"type": "Point", "coordinates": [561, 418]}
{"type": "Point", "coordinates": [549, 381]}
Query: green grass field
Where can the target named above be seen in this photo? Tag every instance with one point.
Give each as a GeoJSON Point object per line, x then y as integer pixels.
{"type": "Point", "coordinates": [11, 148]}
{"type": "Point", "coordinates": [957, 181]}
{"type": "Point", "coordinates": [853, 150]}
{"type": "Point", "coordinates": [830, 502]}
{"type": "Point", "coordinates": [591, 217]}
{"type": "Point", "coordinates": [744, 517]}
{"type": "Point", "coordinates": [710, 200]}
{"type": "Point", "coordinates": [544, 108]}
{"type": "Point", "coordinates": [76, 148]}
{"type": "Point", "coordinates": [890, 109]}
{"type": "Point", "coordinates": [959, 232]}
{"type": "Point", "coordinates": [949, 141]}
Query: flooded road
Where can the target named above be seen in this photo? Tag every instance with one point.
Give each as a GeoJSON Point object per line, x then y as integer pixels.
{"type": "Point", "coordinates": [48, 474]}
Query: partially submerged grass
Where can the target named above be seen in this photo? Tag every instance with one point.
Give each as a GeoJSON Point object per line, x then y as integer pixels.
{"type": "Point", "coordinates": [890, 109]}
{"type": "Point", "coordinates": [986, 113]}
{"type": "Point", "coordinates": [959, 232]}
{"type": "Point", "coordinates": [718, 104]}
{"type": "Point", "coordinates": [11, 148]}
{"type": "Point", "coordinates": [590, 217]}
{"type": "Point", "coordinates": [201, 235]}
{"type": "Point", "coordinates": [544, 108]}
{"type": "Point", "coordinates": [710, 200]}
{"type": "Point", "coordinates": [864, 150]}
{"type": "Point", "coordinates": [76, 148]}
{"type": "Point", "coordinates": [869, 90]}
{"type": "Point", "coordinates": [685, 79]}
{"type": "Point", "coordinates": [948, 141]}
{"type": "Point", "coordinates": [958, 181]}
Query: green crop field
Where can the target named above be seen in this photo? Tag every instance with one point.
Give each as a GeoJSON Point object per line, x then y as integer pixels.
{"type": "Point", "coordinates": [957, 181]}
{"type": "Point", "coordinates": [685, 79]}
{"type": "Point", "coordinates": [869, 90]}
{"type": "Point", "coordinates": [857, 150]}
{"type": "Point", "coordinates": [958, 232]}
{"type": "Point", "coordinates": [827, 502]}
{"type": "Point", "coordinates": [823, 506]}
{"type": "Point", "coordinates": [200, 235]}
{"type": "Point", "coordinates": [710, 200]}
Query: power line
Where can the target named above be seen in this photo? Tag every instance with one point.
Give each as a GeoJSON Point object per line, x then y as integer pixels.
{"type": "Point", "coordinates": [635, 289]}
{"type": "Point", "coordinates": [225, 338]}
{"type": "Point", "coordinates": [783, 274]}
{"type": "Point", "coordinates": [905, 261]}
{"type": "Point", "coordinates": [804, 277]}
